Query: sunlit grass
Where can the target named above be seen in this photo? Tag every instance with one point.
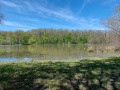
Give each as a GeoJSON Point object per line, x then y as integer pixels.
{"type": "Point", "coordinates": [92, 73]}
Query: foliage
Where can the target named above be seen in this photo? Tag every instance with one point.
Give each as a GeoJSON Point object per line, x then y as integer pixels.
{"type": "Point", "coordinates": [24, 40]}
{"type": "Point", "coordinates": [2, 38]}
{"type": "Point", "coordinates": [32, 40]}
{"type": "Point", "coordinates": [53, 36]}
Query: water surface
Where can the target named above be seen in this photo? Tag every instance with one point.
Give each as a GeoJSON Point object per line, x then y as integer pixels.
{"type": "Point", "coordinates": [50, 52]}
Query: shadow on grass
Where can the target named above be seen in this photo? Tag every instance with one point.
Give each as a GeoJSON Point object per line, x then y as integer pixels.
{"type": "Point", "coordinates": [85, 74]}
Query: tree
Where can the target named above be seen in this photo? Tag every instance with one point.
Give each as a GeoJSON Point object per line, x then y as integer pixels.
{"type": "Point", "coordinates": [25, 40]}
{"type": "Point", "coordinates": [32, 40]}
{"type": "Point", "coordinates": [113, 22]}
{"type": "Point", "coordinates": [1, 18]}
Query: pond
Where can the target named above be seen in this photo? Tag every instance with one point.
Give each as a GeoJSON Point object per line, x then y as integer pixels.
{"type": "Point", "coordinates": [50, 52]}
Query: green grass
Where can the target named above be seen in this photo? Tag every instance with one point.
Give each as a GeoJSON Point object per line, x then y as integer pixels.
{"type": "Point", "coordinates": [93, 73]}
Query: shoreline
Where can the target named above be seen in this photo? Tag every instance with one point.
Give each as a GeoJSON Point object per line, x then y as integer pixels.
{"type": "Point", "coordinates": [71, 60]}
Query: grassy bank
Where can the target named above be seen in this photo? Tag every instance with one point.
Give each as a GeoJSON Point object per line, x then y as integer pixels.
{"type": "Point", "coordinates": [94, 73]}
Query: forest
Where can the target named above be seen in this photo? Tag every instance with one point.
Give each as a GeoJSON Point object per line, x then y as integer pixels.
{"type": "Point", "coordinates": [58, 36]}
{"type": "Point", "coordinates": [59, 59]}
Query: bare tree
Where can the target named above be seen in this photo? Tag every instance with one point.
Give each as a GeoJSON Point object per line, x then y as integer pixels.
{"type": "Point", "coordinates": [1, 17]}
{"type": "Point", "coordinates": [113, 22]}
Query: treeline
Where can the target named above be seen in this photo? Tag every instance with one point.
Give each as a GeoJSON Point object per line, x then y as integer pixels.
{"type": "Point", "coordinates": [60, 36]}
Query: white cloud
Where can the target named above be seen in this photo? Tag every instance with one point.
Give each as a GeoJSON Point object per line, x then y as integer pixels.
{"type": "Point", "coordinates": [83, 5]}
{"type": "Point", "coordinates": [15, 24]}
{"type": "Point", "coordinates": [110, 2]}
{"type": "Point", "coordinates": [56, 25]}
{"type": "Point", "coordinates": [64, 14]}
{"type": "Point", "coordinates": [57, 13]}
{"type": "Point", "coordinates": [29, 6]}
{"type": "Point", "coordinates": [32, 19]}
{"type": "Point", "coordinates": [10, 4]}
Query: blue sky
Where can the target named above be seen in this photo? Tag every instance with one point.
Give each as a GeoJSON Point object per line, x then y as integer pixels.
{"type": "Point", "coordinates": [65, 14]}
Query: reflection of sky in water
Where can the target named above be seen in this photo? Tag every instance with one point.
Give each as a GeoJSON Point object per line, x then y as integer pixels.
{"type": "Point", "coordinates": [49, 52]}
{"type": "Point", "coordinates": [14, 59]}
{"type": "Point", "coordinates": [76, 57]}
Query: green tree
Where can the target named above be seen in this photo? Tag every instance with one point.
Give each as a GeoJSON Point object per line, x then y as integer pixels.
{"type": "Point", "coordinates": [24, 40]}
{"type": "Point", "coordinates": [32, 40]}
